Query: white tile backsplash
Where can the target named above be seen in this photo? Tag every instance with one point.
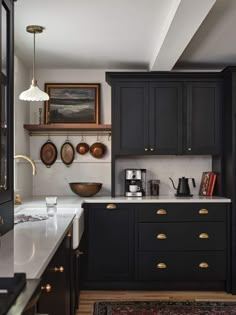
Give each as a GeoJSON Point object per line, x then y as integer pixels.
{"type": "Point", "coordinates": [163, 167]}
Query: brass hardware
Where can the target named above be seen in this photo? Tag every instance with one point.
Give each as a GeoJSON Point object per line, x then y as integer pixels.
{"type": "Point", "coordinates": [189, 149]}
{"type": "Point", "coordinates": [1, 220]}
{"type": "Point", "coordinates": [24, 157]}
{"type": "Point", "coordinates": [203, 235]}
{"type": "Point", "coordinates": [47, 288]}
{"type": "Point", "coordinates": [18, 200]}
{"type": "Point", "coordinates": [203, 265]}
{"type": "Point", "coordinates": [161, 266]}
{"type": "Point", "coordinates": [161, 236]}
{"type": "Point", "coordinates": [34, 29]}
{"type": "Point", "coordinates": [151, 149]}
{"type": "Point", "coordinates": [69, 234]}
{"type": "Point", "coordinates": [111, 206]}
{"type": "Point", "coordinates": [203, 211]}
{"type": "Point", "coordinates": [146, 149]}
{"type": "Point", "coordinates": [161, 211]}
{"type": "Point", "coordinates": [58, 269]}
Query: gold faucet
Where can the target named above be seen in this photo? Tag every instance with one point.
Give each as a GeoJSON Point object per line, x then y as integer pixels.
{"type": "Point", "coordinates": [18, 200]}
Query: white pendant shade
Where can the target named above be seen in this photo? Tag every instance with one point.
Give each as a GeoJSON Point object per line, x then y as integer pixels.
{"type": "Point", "coordinates": [34, 94]}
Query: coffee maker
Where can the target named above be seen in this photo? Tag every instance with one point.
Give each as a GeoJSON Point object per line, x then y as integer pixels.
{"type": "Point", "coordinates": [135, 182]}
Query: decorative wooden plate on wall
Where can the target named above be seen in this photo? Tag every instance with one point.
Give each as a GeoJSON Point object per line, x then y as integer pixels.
{"type": "Point", "coordinates": [48, 153]}
{"type": "Point", "coordinates": [67, 153]}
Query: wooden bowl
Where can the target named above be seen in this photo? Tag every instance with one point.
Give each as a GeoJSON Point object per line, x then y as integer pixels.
{"type": "Point", "coordinates": [85, 189]}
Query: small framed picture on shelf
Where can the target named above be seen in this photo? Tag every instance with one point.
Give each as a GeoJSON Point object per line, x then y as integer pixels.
{"type": "Point", "coordinates": [74, 103]}
{"type": "Point", "coordinates": [207, 184]}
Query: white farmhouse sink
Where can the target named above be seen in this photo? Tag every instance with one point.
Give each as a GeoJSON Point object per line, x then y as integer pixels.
{"type": "Point", "coordinates": [78, 222]}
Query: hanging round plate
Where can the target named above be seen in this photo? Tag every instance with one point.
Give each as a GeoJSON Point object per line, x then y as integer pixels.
{"type": "Point", "coordinates": [67, 153]}
{"type": "Point", "coordinates": [48, 153]}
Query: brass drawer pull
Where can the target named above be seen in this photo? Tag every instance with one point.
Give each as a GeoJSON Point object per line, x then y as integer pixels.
{"type": "Point", "coordinates": [161, 236]}
{"type": "Point", "coordinates": [1, 220]}
{"type": "Point", "coordinates": [161, 266]}
{"type": "Point", "coordinates": [161, 211]}
{"type": "Point", "coordinates": [58, 269]}
{"type": "Point", "coordinates": [47, 288]}
{"type": "Point", "coordinates": [111, 206]}
{"type": "Point", "coordinates": [203, 235]}
{"type": "Point", "coordinates": [69, 234]}
{"type": "Point", "coordinates": [203, 265]}
{"type": "Point", "coordinates": [203, 211]}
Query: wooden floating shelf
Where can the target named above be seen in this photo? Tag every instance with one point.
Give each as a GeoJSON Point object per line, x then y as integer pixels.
{"type": "Point", "coordinates": [67, 127]}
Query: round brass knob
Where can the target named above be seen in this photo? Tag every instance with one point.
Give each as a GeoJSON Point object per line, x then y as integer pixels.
{"type": "Point", "coordinates": [151, 149]}
{"type": "Point", "coordinates": [146, 149]}
{"type": "Point", "coordinates": [203, 265]}
{"type": "Point", "coordinates": [203, 211]}
{"type": "Point", "coordinates": [189, 149]}
{"type": "Point", "coordinates": [203, 235]}
{"type": "Point", "coordinates": [47, 288]}
{"type": "Point", "coordinates": [59, 269]}
{"type": "Point", "coordinates": [161, 236]}
{"type": "Point", "coordinates": [161, 211]}
{"type": "Point", "coordinates": [161, 266]}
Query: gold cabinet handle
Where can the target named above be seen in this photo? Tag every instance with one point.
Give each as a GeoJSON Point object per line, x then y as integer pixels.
{"type": "Point", "coordinates": [161, 236]}
{"type": "Point", "coordinates": [47, 288]}
{"type": "Point", "coordinates": [58, 269]}
{"type": "Point", "coordinates": [1, 220]}
{"type": "Point", "coordinates": [111, 206]}
{"type": "Point", "coordinates": [151, 149]}
{"type": "Point", "coordinates": [146, 149]}
{"type": "Point", "coordinates": [161, 266]}
{"type": "Point", "coordinates": [203, 211]}
{"type": "Point", "coordinates": [203, 265]}
{"type": "Point", "coordinates": [161, 211]}
{"type": "Point", "coordinates": [203, 235]}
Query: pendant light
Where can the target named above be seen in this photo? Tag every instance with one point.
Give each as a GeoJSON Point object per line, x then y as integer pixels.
{"type": "Point", "coordinates": [34, 93]}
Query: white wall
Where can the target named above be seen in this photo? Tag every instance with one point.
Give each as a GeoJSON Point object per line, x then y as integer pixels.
{"type": "Point", "coordinates": [162, 167]}
{"type": "Point", "coordinates": [54, 180]}
{"type": "Point", "coordinates": [23, 170]}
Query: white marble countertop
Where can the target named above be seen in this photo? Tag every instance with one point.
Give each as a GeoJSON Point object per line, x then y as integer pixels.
{"type": "Point", "coordinates": [36, 242]}
{"type": "Point", "coordinates": [157, 199]}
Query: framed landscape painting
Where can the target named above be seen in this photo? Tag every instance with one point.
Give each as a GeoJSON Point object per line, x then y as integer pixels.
{"type": "Point", "coordinates": [72, 103]}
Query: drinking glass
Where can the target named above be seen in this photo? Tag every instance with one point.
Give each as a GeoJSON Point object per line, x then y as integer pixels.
{"type": "Point", "coordinates": [51, 203]}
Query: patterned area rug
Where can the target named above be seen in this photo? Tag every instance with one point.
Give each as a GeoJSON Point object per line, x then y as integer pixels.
{"type": "Point", "coordinates": [165, 308]}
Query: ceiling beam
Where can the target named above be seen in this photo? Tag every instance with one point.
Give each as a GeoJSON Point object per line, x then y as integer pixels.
{"type": "Point", "coordinates": [183, 20]}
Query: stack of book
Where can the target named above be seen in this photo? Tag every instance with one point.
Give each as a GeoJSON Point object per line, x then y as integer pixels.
{"type": "Point", "coordinates": [207, 184]}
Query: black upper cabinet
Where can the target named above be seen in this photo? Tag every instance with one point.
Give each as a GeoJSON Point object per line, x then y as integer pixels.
{"type": "Point", "coordinates": [202, 128]}
{"type": "Point", "coordinates": [147, 118]}
{"type": "Point", "coordinates": [6, 115]}
{"type": "Point", "coordinates": [166, 113]}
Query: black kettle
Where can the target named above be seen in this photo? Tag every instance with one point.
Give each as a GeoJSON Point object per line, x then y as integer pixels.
{"type": "Point", "coordinates": [183, 187]}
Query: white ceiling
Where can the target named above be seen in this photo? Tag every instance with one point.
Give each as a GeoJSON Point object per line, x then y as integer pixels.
{"type": "Point", "coordinates": [127, 34]}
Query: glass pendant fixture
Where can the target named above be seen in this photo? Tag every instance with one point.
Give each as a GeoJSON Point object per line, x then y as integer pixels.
{"type": "Point", "coordinates": [34, 93]}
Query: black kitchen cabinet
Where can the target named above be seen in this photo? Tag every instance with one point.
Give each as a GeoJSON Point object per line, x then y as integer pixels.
{"type": "Point", "coordinates": [6, 115]}
{"type": "Point", "coordinates": [109, 230]}
{"type": "Point", "coordinates": [147, 118]}
{"type": "Point", "coordinates": [166, 113]}
{"type": "Point", "coordinates": [57, 282]}
{"type": "Point", "coordinates": [202, 132]}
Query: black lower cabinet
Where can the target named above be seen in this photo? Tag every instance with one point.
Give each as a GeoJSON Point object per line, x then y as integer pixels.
{"type": "Point", "coordinates": [57, 285]}
{"type": "Point", "coordinates": [157, 246]}
{"type": "Point", "coordinates": [109, 232]}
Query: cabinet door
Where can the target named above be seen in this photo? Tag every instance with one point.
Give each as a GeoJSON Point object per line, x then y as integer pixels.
{"type": "Point", "coordinates": [203, 118]}
{"type": "Point", "coordinates": [110, 243]}
{"type": "Point", "coordinates": [57, 299]}
{"type": "Point", "coordinates": [166, 117]}
{"type": "Point", "coordinates": [6, 100]}
{"type": "Point", "coordinates": [130, 118]}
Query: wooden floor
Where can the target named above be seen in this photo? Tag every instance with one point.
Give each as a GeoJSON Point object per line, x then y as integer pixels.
{"type": "Point", "coordinates": [87, 298]}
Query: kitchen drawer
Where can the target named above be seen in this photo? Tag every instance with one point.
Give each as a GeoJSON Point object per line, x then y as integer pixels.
{"type": "Point", "coordinates": [182, 236]}
{"type": "Point", "coordinates": [166, 212]}
{"type": "Point", "coordinates": [182, 266]}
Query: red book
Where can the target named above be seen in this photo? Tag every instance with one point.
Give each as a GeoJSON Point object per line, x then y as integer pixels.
{"type": "Point", "coordinates": [211, 185]}
{"type": "Point", "coordinates": [204, 183]}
